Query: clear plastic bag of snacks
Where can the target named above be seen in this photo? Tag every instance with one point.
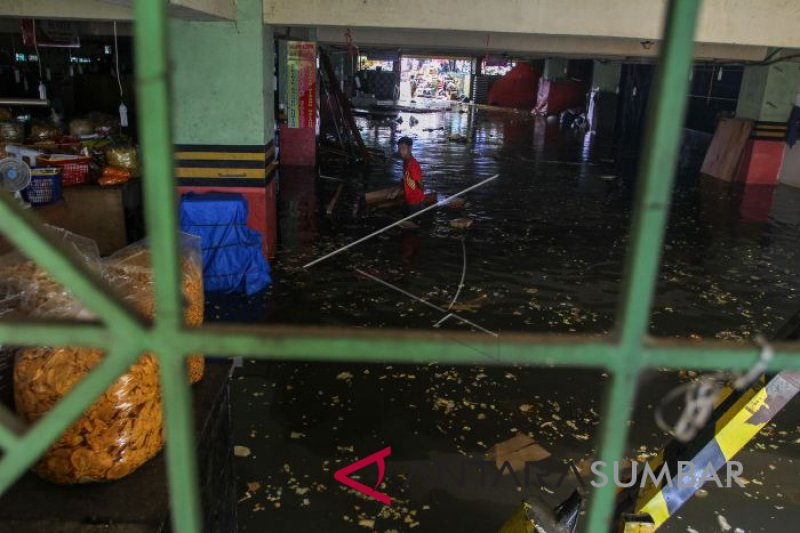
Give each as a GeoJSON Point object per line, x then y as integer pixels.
{"type": "Point", "coordinates": [130, 272]}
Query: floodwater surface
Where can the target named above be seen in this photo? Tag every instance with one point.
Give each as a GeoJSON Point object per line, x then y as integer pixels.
{"type": "Point", "coordinates": [545, 253]}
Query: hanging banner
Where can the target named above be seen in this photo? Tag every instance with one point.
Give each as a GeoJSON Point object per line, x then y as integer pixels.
{"type": "Point", "coordinates": [302, 84]}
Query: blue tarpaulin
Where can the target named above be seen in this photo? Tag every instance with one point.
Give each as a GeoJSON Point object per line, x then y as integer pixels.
{"type": "Point", "coordinates": [232, 256]}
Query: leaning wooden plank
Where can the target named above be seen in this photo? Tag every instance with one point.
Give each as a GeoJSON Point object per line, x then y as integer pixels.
{"type": "Point", "coordinates": [727, 148]}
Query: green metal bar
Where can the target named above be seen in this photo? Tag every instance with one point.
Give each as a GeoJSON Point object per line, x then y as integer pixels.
{"type": "Point", "coordinates": [330, 344]}
{"type": "Point", "coordinates": [664, 124]}
{"type": "Point", "coordinates": [180, 445]}
{"type": "Point", "coordinates": [19, 457]}
{"type": "Point", "coordinates": [715, 356]}
{"type": "Point", "coordinates": [150, 39]}
{"type": "Point", "coordinates": [665, 117]}
{"type": "Point", "coordinates": [11, 427]}
{"type": "Point", "coordinates": [55, 334]}
{"type": "Point", "coordinates": [613, 436]}
{"type": "Point", "coordinates": [171, 342]}
{"type": "Point", "coordinates": [24, 230]}
{"type": "Point", "coordinates": [452, 347]}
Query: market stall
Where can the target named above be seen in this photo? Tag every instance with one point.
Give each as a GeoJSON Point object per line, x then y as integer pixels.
{"type": "Point", "coordinates": [83, 177]}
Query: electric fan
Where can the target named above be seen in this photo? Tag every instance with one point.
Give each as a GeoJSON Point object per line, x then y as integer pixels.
{"type": "Point", "coordinates": [15, 175]}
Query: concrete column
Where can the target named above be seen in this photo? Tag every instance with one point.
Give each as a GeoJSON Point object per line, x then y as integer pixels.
{"type": "Point", "coordinates": [602, 111]}
{"type": "Point", "coordinates": [605, 76]}
{"type": "Point", "coordinates": [223, 105]}
{"type": "Point", "coordinates": [790, 171]}
{"type": "Point", "coordinates": [766, 96]}
{"type": "Point", "coordinates": [294, 34]}
{"type": "Point", "coordinates": [768, 92]}
{"type": "Point", "coordinates": [283, 70]}
{"type": "Point", "coordinates": [554, 68]}
{"type": "Point", "coordinates": [222, 79]}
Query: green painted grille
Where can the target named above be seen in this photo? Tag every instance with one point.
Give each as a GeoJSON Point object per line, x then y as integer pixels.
{"type": "Point", "coordinates": [124, 336]}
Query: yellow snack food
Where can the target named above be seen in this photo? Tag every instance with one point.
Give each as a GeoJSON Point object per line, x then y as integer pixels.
{"type": "Point", "coordinates": [129, 271]}
{"type": "Point", "coordinates": [123, 428]}
{"type": "Point", "coordinates": [120, 432]}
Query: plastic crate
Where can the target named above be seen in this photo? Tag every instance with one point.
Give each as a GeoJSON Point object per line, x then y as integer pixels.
{"type": "Point", "coordinates": [45, 187]}
{"type": "Point", "coordinates": [74, 169]}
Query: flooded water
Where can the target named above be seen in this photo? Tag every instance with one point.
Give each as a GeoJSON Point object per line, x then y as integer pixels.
{"type": "Point", "coordinates": [545, 253]}
{"type": "Point", "coordinates": [546, 249]}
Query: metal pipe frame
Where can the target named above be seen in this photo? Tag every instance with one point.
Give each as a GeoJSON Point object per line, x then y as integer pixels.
{"type": "Point", "coordinates": [124, 335]}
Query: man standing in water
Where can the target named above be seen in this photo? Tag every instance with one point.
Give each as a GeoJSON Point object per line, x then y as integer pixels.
{"type": "Point", "coordinates": [412, 177]}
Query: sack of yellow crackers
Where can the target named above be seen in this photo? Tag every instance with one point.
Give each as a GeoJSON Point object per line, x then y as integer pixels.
{"type": "Point", "coordinates": [122, 429]}
{"type": "Point", "coordinates": [129, 271]}
{"type": "Point", "coordinates": [119, 432]}
{"type": "Point", "coordinates": [39, 295]}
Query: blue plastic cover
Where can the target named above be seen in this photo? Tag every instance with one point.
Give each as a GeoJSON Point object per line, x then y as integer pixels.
{"type": "Point", "coordinates": [232, 256]}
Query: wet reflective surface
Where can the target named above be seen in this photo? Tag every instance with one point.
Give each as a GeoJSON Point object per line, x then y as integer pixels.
{"type": "Point", "coordinates": [545, 253]}
{"type": "Point", "coordinates": [546, 248]}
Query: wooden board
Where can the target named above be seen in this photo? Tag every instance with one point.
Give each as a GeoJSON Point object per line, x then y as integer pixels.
{"type": "Point", "coordinates": [393, 196]}
{"type": "Point", "coordinates": [383, 195]}
{"type": "Point", "coordinates": [99, 213]}
{"type": "Point", "coordinates": [727, 148]}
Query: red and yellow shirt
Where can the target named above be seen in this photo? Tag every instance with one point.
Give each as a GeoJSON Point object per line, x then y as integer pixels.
{"type": "Point", "coordinates": [412, 181]}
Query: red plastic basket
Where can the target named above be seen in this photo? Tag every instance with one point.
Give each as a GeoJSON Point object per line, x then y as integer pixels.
{"type": "Point", "coordinates": [74, 169]}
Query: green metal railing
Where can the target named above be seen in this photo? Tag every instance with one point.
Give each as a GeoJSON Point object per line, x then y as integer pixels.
{"type": "Point", "coordinates": [124, 336]}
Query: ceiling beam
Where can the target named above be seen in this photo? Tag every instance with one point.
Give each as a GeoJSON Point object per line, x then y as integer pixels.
{"type": "Point", "coordinates": [72, 9]}
{"type": "Point", "coordinates": [730, 22]}
{"type": "Point", "coordinates": [119, 10]}
{"type": "Point", "coordinates": [524, 45]}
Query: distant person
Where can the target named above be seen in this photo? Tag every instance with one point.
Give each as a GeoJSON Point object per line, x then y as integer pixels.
{"type": "Point", "coordinates": [412, 177]}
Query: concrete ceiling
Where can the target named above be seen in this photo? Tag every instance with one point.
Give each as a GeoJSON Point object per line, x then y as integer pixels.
{"type": "Point", "coordinates": [730, 22]}
{"type": "Point", "coordinates": [729, 30]}
{"type": "Point", "coordinates": [119, 10]}
{"type": "Point", "coordinates": [475, 43]}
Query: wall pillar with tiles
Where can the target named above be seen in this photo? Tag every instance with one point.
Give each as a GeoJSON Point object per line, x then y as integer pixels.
{"type": "Point", "coordinates": [223, 105]}
{"type": "Point", "coordinates": [766, 96]}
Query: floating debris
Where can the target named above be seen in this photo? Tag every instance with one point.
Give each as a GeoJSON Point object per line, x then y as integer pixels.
{"type": "Point", "coordinates": [461, 223]}
{"type": "Point", "coordinates": [241, 451]}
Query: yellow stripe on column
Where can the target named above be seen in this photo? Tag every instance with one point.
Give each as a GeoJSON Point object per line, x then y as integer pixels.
{"type": "Point", "coordinates": [251, 173]}
{"type": "Point", "coordinates": [775, 134]}
{"type": "Point", "coordinates": [221, 156]}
